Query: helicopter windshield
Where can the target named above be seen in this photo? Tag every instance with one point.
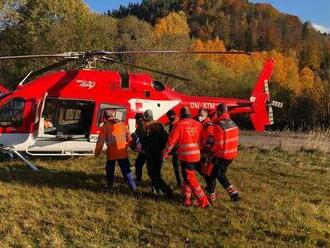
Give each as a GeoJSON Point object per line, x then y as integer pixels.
{"type": "Point", "coordinates": [11, 114]}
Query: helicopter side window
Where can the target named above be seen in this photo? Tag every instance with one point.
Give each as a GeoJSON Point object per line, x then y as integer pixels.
{"type": "Point", "coordinates": [11, 114]}
{"type": "Point", "coordinates": [120, 112]}
{"type": "Point", "coordinates": [159, 86]}
{"type": "Point", "coordinates": [72, 114]}
{"type": "Point", "coordinates": [124, 80]}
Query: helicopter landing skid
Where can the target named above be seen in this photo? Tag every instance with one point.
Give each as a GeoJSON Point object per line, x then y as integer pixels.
{"type": "Point", "coordinates": [12, 151]}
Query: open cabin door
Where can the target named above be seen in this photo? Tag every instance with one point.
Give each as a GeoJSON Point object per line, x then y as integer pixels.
{"type": "Point", "coordinates": [66, 119]}
{"type": "Point", "coordinates": [64, 127]}
{"type": "Point", "coordinates": [39, 119]}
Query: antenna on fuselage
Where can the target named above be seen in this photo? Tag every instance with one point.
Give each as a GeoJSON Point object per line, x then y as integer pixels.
{"type": "Point", "coordinates": [25, 78]}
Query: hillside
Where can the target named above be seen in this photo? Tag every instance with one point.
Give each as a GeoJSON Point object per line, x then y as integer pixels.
{"type": "Point", "coordinates": [285, 204]}
{"type": "Point", "coordinates": [241, 25]}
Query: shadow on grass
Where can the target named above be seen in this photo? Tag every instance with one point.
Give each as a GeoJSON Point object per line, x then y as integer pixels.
{"type": "Point", "coordinates": [76, 180]}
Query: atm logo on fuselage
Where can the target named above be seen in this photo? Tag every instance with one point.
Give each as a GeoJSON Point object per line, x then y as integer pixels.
{"type": "Point", "coordinates": [202, 105]}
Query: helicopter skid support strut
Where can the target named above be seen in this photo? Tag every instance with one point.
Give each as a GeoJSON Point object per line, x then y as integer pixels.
{"type": "Point", "coordinates": [21, 157]}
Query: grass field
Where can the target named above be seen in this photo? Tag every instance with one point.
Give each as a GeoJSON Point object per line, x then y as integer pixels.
{"type": "Point", "coordinates": [286, 203]}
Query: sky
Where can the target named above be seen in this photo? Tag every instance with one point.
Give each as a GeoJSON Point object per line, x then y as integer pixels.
{"type": "Point", "coordinates": [316, 11]}
{"type": "Point", "coordinates": [104, 5]}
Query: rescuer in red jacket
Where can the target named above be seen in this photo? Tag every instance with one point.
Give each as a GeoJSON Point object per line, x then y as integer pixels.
{"type": "Point", "coordinates": [226, 135]}
{"type": "Point", "coordinates": [207, 133]}
{"type": "Point", "coordinates": [187, 134]}
{"type": "Point", "coordinates": [206, 165]}
{"type": "Point", "coordinates": [172, 119]}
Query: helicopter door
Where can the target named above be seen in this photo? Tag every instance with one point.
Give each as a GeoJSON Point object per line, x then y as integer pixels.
{"type": "Point", "coordinates": [39, 110]}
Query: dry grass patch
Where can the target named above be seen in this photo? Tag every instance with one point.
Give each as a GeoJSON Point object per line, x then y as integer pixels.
{"type": "Point", "coordinates": [317, 140]}
{"type": "Point", "coordinates": [286, 203]}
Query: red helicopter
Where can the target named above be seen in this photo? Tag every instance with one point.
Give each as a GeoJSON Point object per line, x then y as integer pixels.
{"type": "Point", "coordinates": [60, 113]}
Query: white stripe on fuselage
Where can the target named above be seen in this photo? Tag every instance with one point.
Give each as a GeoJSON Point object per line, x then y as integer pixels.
{"type": "Point", "coordinates": [158, 107]}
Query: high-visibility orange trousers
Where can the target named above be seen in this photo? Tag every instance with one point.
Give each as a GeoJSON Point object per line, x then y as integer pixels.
{"type": "Point", "coordinates": [191, 185]}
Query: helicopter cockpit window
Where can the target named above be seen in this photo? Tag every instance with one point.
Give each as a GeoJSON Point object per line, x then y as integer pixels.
{"type": "Point", "coordinates": [159, 86]}
{"type": "Point", "coordinates": [11, 114]}
{"type": "Point", "coordinates": [120, 112]}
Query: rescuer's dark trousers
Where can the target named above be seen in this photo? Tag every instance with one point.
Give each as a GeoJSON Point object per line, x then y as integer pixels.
{"type": "Point", "coordinates": [139, 163]}
{"type": "Point", "coordinates": [125, 170]}
{"type": "Point", "coordinates": [219, 172]}
{"type": "Point", "coordinates": [175, 164]}
{"type": "Point", "coordinates": [154, 166]}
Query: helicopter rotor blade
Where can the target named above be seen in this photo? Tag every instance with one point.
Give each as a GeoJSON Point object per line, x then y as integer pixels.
{"type": "Point", "coordinates": [107, 59]}
{"type": "Point", "coordinates": [59, 55]}
{"type": "Point", "coordinates": [88, 54]}
{"type": "Point", "coordinates": [45, 69]}
{"type": "Point", "coordinates": [168, 52]}
{"type": "Point", "coordinates": [52, 66]}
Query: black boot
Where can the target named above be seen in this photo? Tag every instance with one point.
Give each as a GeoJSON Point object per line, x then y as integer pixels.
{"type": "Point", "coordinates": [235, 197]}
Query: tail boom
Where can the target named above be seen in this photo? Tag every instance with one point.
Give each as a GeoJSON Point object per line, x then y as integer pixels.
{"type": "Point", "coordinates": [258, 106]}
{"type": "Point", "coordinates": [262, 114]}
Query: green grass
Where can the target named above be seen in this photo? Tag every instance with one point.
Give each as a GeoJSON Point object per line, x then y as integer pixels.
{"type": "Point", "coordinates": [286, 203]}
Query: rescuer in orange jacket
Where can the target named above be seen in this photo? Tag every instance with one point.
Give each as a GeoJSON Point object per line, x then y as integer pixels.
{"type": "Point", "coordinates": [172, 119]}
{"type": "Point", "coordinates": [226, 134]}
{"type": "Point", "coordinates": [187, 134]}
{"type": "Point", "coordinates": [117, 138]}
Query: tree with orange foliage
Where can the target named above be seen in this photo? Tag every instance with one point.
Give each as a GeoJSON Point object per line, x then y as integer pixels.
{"type": "Point", "coordinates": [174, 23]}
{"type": "Point", "coordinates": [307, 79]}
{"type": "Point", "coordinates": [209, 45]}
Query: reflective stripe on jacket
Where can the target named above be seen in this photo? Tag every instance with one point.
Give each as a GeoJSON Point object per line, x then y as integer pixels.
{"type": "Point", "coordinates": [117, 137]}
{"type": "Point", "coordinates": [187, 134]}
{"type": "Point", "coordinates": [226, 134]}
